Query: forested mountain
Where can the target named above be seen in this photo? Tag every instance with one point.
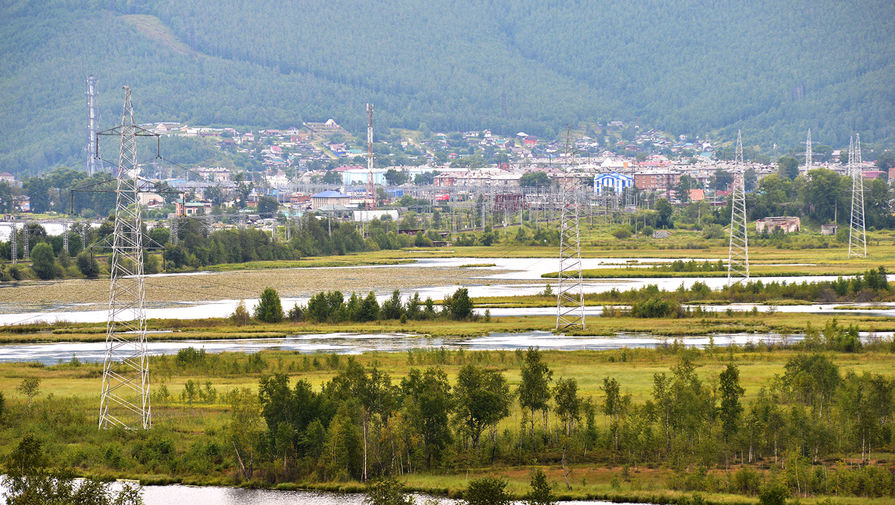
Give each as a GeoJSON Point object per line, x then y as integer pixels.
{"type": "Point", "coordinates": [772, 68]}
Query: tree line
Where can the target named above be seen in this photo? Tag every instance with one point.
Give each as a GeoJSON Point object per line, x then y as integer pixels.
{"type": "Point", "coordinates": [363, 425]}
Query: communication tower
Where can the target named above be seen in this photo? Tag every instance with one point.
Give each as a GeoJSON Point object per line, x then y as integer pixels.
{"type": "Point", "coordinates": [93, 163]}
{"type": "Point", "coordinates": [371, 190]}
{"type": "Point", "coordinates": [808, 154]}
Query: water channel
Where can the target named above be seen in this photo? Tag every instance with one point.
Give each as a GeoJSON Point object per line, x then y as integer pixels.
{"type": "Point", "coordinates": [490, 280]}
{"type": "Point", "coordinates": [356, 343]}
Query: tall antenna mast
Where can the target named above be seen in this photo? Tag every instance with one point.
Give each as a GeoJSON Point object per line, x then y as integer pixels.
{"type": "Point", "coordinates": [125, 392]}
{"type": "Point", "coordinates": [857, 235]}
{"type": "Point", "coordinates": [738, 250]}
{"type": "Point", "coordinates": [809, 162]}
{"type": "Point", "coordinates": [371, 190]}
{"type": "Point", "coordinates": [92, 158]}
{"type": "Point", "coordinates": [569, 309]}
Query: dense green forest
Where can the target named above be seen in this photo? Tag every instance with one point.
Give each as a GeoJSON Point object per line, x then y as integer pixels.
{"type": "Point", "coordinates": [773, 69]}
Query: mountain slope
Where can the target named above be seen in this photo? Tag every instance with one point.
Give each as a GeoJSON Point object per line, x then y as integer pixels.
{"type": "Point", "coordinates": [773, 69]}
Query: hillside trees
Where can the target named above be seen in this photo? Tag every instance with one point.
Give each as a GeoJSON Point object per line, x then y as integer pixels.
{"type": "Point", "coordinates": [239, 67]}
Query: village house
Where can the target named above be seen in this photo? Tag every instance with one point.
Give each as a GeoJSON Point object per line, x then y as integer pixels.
{"type": "Point", "coordinates": [192, 208]}
{"type": "Point", "coordinates": [786, 224]}
{"type": "Point", "coordinates": [214, 174]}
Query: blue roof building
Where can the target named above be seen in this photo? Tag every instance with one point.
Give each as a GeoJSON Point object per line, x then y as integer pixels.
{"type": "Point", "coordinates": [614, 180]}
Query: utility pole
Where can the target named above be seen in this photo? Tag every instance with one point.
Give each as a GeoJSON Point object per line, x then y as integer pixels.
{"type": "Point", "coordinates": [125, 399]}
{"type": "Point", "coordinates": [738, 251]}
{"type": "Point", "coordinates": [857, 236]}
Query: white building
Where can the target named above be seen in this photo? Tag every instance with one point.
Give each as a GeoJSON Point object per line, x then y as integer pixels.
{"type": "Point", "coordinates": [360, 177]}
{"type": "Point", "coordinates": [616, 181]}
{"type": "Point", "coordinates": [365, 216]}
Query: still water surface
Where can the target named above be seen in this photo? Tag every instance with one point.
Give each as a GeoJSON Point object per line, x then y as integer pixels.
{"type": "Point", "coordinates": [215, 495]}
{"type": "Point", "coordinates": [355, 343]}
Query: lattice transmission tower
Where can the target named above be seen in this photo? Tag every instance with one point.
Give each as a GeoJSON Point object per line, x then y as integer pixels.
{"type": "Point", "coordinates": [570, 289]}
{"type": "Point", "coordinates": [738, 251]}
{"type": "Point", "coordinates": [809, 162]}
{"type": "Point", "coordinates": [125, 399]}
{"type": "Point", "coordinates": [857, 236]}
{"type": "Point", "coordinates": [13, 244]}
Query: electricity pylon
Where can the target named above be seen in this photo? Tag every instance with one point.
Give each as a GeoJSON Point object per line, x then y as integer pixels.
{"type": "Point", "coordinates": [570, 291]}
{"type": "Point", "coordinates": [13, 244]}
{"type": "Point", "coordinates": [857, 236]}
{"type": "Point", "coordinates": [738, 251]}
{"type": "Point", "coordinates": [125, 399]}
{"type": "Point", "coordinates": [569, 309]}
{"type": "Point", "coordinates": [65, 236]}
{"type": "Point", "coordinates": [26, 246]}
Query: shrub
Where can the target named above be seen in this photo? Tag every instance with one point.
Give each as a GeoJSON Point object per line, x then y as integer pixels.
{"type": "Point", "coordinates": [458, 306]}
{"type": "Point", "coordinates": [43, 262]}
{"type": "Point", "coordinates": [87, 265]}
{"type": "Point", "coordinates": [386, 492]}
{"type": "Point", "coordinates": [240, 316]}
{"type": "Point", "coordinates": [746, 481]}
{"type": "Point", "coordinates": [392, 308]}
{"type": "Point", "coordinates": [369, 308]}
{"type": "Point", "coordinates": [269, 309]}
{"type": "Point", "coordinates": [15, 272]}
{"type": "Point", "coordinates": [655, 307]}
{"type": "Point", "coordinates": [540, 493]}
{"type": "Point", "coordinates": [773, 494]}
{"type": "Point", "coordinates": [487, 491]}
{"type": "Point", "coordinates": [622, 232]}
{"type": "Point", "coordinates": [296, 313]}
{"type": "Point", "coordinates": [713, 231]}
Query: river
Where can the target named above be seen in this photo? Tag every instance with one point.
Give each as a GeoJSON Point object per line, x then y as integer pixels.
{"type": "Point", "coordinates": [524, 274]}
{"type": "Point", "coordinates": [356, 343]}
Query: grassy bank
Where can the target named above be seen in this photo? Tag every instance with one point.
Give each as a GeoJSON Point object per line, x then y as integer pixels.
{"type": "Point", "coordinates": [761, 321]}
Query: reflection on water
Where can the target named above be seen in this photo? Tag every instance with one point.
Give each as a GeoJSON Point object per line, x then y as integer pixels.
{"type": "Point", "coordinates": [164, 495]}
{"type": "Point", "coordinates": [215, 495]}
